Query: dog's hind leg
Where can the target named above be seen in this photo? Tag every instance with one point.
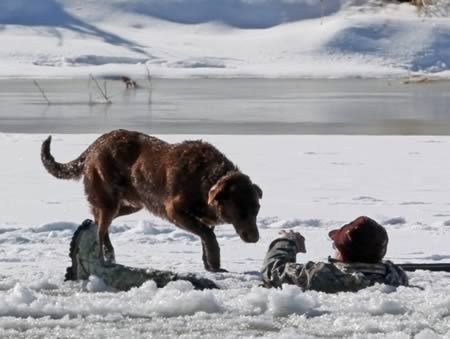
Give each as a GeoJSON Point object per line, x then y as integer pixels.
{"type": "Point", "coordinates": [103, 219]}
{"type": "Point", "coordinates": [103, 195]}
{"type": "Point", "coordinates": [108, 249]}
{"type": "Point", "coordinates": [110, 255]}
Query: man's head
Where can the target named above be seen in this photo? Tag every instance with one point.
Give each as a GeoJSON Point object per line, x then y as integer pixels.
{"type": "Point", "coordinates": [236, 199]}
{"type": "Point", "coordinates": [362, 240]}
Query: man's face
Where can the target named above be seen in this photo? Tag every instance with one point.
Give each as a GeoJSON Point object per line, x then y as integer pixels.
{"type": "Point", "coordinates": [337, 253]}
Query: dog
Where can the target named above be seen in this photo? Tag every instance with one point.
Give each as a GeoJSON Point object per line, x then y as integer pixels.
{"type": "Point", "coordinates": [191, 184]}
{"type": "Point", "coordinates": [129, 83]}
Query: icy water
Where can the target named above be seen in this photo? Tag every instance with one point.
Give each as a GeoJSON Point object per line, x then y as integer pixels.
{"type": "Point", "coordinates": [229, 106]}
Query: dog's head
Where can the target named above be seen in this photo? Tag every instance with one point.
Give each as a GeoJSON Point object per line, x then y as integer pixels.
{"type": "Point", "coordinates": [236, 200]}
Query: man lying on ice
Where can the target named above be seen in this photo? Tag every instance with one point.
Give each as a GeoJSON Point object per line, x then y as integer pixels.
{"type": "Point", "coordinates": [86, 261]}
{"type": "Point", "coordinates": [360, 247]}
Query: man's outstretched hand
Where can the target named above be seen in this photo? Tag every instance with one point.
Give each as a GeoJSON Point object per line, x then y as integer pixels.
{"type": "Point", "coordinates": [295, 237]}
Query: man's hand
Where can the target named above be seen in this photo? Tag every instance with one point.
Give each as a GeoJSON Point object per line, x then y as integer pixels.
{"type": "Point", "coordinates": [295, 237]}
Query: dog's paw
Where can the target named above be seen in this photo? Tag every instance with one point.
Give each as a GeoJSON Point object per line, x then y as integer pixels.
{"type": "Point", "coordinates": [217, 270]}
{"type": "Point", "coordinates": [108, 263]}
{"type": "Point", "coordinates": [110, 257]}
{"type": "Point", "coordinates": [109, 260]}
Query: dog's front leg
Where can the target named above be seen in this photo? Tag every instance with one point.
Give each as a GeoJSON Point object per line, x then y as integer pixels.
{"type": "Point", "coordinates": [211, 252]}
{"type": "Point", "coordinates": [188, 222]}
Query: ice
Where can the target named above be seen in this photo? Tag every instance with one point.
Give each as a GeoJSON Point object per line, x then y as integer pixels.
{"type": "Point", "coordinates": [147, 228]}
{"type": "Point", "coordinates": [96, 284]}
{"type": "Point", "coordinates": [299, 194]}
{"type": "Point", "coordinates": [427, 333]}
{"type": "Point", "coordinates": [383, 306]}
{"type": "Point", "coordinates": [255, 302]}
{"type": "Point", "coordinates": [57, 226]}
{"type": "Point", "coordinates": [298, 222]}
{"type": "Point", "coordinates": [394, 221]}
{"type": "Point", "coordinates": [179, 298]}
{"type": "Point", "coordinates": [20, 295]}
{"type": "Point", "coordinates": [43, 284]}
{"type": "Point", "coordinates": [290, 300]}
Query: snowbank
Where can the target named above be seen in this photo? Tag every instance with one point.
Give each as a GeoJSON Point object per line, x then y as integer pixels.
{"type": "Point", "coordinates": [177, 310]}
{"type": "Point", "coordinates": [233, 38]}
{"type": "Point", "coordinates": [408, 191]}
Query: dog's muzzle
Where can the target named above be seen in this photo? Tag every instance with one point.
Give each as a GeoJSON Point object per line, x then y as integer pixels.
{"type": "Point", "coordinates": [249, 236]}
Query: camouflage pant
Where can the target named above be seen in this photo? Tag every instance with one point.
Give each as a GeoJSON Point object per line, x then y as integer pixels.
{"type": "Point", "coordinates": [84, 253]}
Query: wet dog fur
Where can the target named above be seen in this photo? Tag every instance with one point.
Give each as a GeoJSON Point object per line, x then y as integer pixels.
{"type": "Point", "coordinates": [191, 184]}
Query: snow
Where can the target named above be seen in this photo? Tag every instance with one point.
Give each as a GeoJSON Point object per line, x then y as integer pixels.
{"type": "Point", "coordinates": [233, 38]}
{"type": "Point", "coordinates": [317, 183]}
{"type": "Point", "coordinates": [290, 300]}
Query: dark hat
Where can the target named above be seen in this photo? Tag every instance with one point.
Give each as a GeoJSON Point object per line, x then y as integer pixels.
{"type": "Point", "coordinates": [362, 240]}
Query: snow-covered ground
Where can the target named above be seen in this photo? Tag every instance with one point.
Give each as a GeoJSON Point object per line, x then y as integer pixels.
{"type": "Point", "coordinates": [311, 183]}
{"type": "Point", "coordinates": [316, 183]}
{"type": "Point", "coordinates": [233, 38]}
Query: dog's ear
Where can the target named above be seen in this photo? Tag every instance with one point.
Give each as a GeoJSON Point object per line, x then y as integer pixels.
{"type": "Point", "coordinates": [258, 191]}
{"type": "Point", "coordinates": [216, 192]}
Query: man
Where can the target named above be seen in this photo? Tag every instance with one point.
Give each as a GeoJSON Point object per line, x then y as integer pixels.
{"type": "Point", "coordinates": [360, 247]}
{"type": "Point", "coordinates": [86, 261]}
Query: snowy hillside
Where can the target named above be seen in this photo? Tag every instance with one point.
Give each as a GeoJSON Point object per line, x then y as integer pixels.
{"type": "Point", "coordinates": [185, 38]}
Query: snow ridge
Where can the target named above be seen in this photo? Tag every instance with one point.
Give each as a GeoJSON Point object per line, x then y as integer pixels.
{"type": "Point", "coordinates": [234, 38]}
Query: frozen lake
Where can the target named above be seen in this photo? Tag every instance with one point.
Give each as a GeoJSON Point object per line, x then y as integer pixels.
{"type": "Point", "coordinates": [229, 106]}
{"type": "Point", "coordinates": [311, 184]}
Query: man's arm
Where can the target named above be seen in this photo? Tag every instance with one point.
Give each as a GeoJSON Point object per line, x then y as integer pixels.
{"type": "Point", "coordinates": [279, 265]}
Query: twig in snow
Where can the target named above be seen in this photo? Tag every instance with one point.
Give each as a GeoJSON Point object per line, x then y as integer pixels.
{"type": "Point", "coordinates": [149, 78]}
{"type": "Point", "coordinates": [42, 92]}
{"type": "Point", "coordinates": [104, 87]}
{"type": "Point", "coordinates": [102, 92]}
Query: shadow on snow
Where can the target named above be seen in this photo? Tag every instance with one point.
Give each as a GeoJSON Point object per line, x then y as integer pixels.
{"type": "Point", "coordinates": [49, 13]}
{"type": "Point", "coordinates": [235, 13]}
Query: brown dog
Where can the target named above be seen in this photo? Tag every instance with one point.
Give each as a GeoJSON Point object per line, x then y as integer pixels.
{"type": "Point", "coordinates": [191, 184]}
{"type": "Point", "coordinates": [129, 83]}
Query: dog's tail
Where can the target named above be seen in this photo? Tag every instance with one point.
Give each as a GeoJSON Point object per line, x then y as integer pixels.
{"type": "Point", "coordinates": [70, 170]}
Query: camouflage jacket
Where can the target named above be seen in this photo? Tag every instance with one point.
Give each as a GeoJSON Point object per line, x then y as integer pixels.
{"type": "Point", "coordinates": [279, 268]}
